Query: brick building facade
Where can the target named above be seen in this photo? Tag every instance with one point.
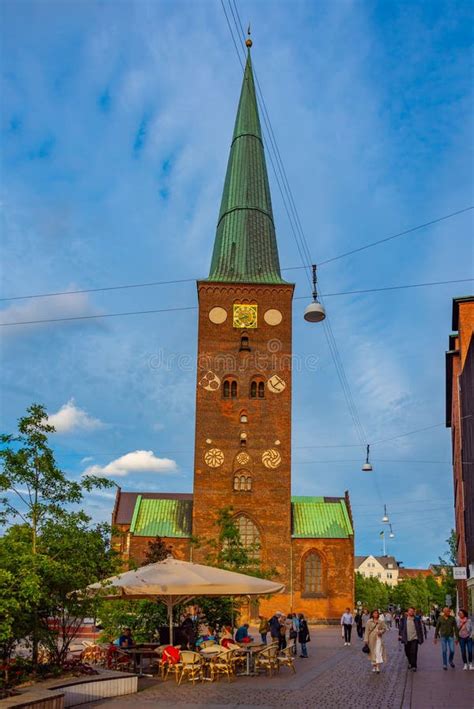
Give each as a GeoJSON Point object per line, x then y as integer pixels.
{"type": "Point", "coordinates": [243, 410]}
{"type": "Point", "coordinates": [460, 418]}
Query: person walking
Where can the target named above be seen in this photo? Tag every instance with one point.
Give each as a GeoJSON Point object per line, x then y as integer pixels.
{"type": "Point", "coordinates": [295, 627]}
{"type": "Point", "coordinates": [410, 633]}
{"type": "Point", "coordinates": [447, 630]}
{"type": "Point", "coordinates": [282, 636]}
{"type": "Point", "coordinates": [303, 635]}
{"type": "Point", "coordinates": [275, 627]}
{"type": "Point", "coordinates": [263, 628]}
{"type": "Point", "coordinates": [465, 638]}
{"type": "Point", "coordinates": [358, 623]}
{"type": "Point", "coordinates": [365, 620]}
{"type": "Point", "coordinates": [374, 632]}
{"type": "Point", "coordinates": [347, 621]}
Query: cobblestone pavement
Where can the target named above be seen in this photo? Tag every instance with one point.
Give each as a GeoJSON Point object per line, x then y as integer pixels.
{"type": "Point", "coordinates": [334, 677]}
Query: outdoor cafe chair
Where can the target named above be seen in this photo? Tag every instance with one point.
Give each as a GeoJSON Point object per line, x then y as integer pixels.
{"type": "Point", "coordinates": [286, 658]}
{"type": "Point", "coordinates": [192, 666]}
{"type": "Point", "coordinates": [266, 659]}
{"type": "Point", "coordinates": [222, 664]}
{"type": "Point", "coordinates": [169, 665]}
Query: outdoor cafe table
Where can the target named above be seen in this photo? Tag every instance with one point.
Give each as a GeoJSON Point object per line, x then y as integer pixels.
{"type": "Point", "coordinates": [249, 649]}
{"type": "Point", "coordinates": [137, 654]}
{"type": "Point", "coordinates": [209, 652]}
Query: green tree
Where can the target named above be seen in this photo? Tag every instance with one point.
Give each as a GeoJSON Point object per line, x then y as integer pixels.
{"type": "Point", "coordinates": [142, 617]}
{"type": "Point", "coordinates": [371, 592]}
{"type": "Point", "coordinates": [157, 550]}
{"type": "Point", "coordinates": [36, 492]}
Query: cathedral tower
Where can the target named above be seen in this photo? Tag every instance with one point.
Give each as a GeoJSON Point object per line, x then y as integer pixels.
{"type": "Point", "coordinates": [243, 401]}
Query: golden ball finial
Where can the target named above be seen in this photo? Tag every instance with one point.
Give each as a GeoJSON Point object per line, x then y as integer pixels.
{"type": "Point", "coordinates": [248, 42]}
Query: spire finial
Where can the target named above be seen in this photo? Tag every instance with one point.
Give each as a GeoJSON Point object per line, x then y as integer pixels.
{"type": "Point", "coordinates": [248, 41]}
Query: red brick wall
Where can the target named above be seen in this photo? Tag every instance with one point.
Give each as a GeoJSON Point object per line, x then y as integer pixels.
{"type": "Point", "coordinates": [269, 419]}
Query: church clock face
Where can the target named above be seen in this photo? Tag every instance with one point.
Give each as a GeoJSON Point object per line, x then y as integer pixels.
{"type": "Point", "coordinates": [245, 316]}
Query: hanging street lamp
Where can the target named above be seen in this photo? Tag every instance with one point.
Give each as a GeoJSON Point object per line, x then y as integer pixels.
{"type": "Point", "coordinates": [385, 518]}
{"type": "Point", "coordinates": [314, 312]}
{"type": "Point", "coordinates": [391, 535]}
{"type": "Point", "coordinates": [367, 467]}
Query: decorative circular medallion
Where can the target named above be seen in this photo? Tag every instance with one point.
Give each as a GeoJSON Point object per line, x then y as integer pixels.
{"type": "Point", "coordinates": [273, 317]}
{"type": "Point", "coordinates": [243, 458]}
{"type": "Point", "coordinates": [245, 316]}
{"type": "Point", "coordinates": [208, 440]}
{"type": "Point", "coordinates": [276, 384]}
{"type": "Point", "coordinates": [243, 436]}
{"type": "Point", "coordinates": [271, 458]}
{"type": "Point", "coordinates": [218, 315]}
{"type": "Point", "coordinates": [210, 381]}
{"type": "Point", "coordinates": [214, 457]}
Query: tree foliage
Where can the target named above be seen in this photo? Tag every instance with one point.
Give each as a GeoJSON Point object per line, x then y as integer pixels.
{"type": "Point", "coordinates": [157, 550]}
{"type": "Point", "coordinates": [50, 552]}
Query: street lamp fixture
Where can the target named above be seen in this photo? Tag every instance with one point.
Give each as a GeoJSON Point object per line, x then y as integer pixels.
{"type": "Point", "coordinates": [315, 312]}
{"type": "Point", "coordinates": [367, 467]}
{"type": "Point", "coordinates": [385, 518]}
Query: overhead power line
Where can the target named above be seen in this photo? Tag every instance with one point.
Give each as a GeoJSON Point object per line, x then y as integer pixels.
{"type": "Point", "coordinates": [387, 238]}
{"type": "Point", "coordinates": [192, 280]}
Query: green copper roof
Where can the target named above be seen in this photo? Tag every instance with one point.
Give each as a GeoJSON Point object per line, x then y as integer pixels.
{"type": "Point", "coordinates": [315, 517]}
{"type": "Point", "coordinates": [161, 518]}
{"type": "Point", "coordinates": [245, 249]}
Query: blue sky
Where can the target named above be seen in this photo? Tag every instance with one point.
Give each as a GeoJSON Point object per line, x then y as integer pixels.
{"type": "Point", "coordinates": [116, 126]}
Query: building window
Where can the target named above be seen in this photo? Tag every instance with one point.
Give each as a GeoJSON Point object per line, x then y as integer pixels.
{"type": "Point", "coordinates": [229, 389]}
{"type": "Point", "coordinates": [257, 389]}
{"type": "Point", "coordinates": [244, 417]}
{"type": "Point", "coordinates": [244, 343]}
{"type": "Point", "coordinates": [249, 535]}
{"type": "Point", "coordinates": [242, 483]}
{"type": "Point", "coordinates": [312, 575]}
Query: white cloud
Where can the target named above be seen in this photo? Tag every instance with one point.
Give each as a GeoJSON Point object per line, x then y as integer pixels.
{"type": "Point", "coordinates": [133, 462]}
{"type": "Point", "coordinates": [71, 418]}
{"type": "Point", "coordinates": [58, 308]}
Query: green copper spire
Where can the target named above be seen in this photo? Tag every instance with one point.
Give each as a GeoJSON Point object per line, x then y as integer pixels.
{"type": "Point", "coordinates": [245, 249]}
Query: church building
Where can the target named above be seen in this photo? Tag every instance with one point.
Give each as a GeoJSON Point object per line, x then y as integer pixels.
{"type": "Point", "coordinates": [243, 411]}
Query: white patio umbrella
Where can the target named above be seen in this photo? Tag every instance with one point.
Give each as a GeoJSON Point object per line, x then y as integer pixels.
{"type": "Point", "coordinates": [172, 582]}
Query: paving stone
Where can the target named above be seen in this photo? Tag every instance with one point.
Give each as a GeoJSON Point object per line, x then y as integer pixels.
{"type": "Point", "coordinates": [334, 677]}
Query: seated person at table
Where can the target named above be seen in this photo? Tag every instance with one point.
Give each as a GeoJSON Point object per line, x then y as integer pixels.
{"type": "Point", "coordinates": [126, 640]}
{"type": "Point", "coordinates": [242, 634]}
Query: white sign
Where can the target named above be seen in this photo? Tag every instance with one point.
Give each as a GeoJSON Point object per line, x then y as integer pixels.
{"type": "Point", "coordinates": [459, 572]}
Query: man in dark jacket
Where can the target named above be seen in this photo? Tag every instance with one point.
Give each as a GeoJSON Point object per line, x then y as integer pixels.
{"type": "Point", "coordinates": [410, 633]}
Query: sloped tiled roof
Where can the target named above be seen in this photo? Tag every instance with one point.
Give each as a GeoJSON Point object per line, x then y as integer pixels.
{"type": "Point", "coordinates": [125, 503]}
{"type": "Point", "coordinates": [163, 517]}
{"type": "Point", "coordinates": [316, 517]}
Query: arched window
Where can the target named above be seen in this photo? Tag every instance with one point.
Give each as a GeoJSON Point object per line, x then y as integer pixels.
{"type": "Point", "coordinates": [257, 389]}
{"type": "Point", "coordinates": [312, 575]}
{"type": "Point", "coordinates": [243, 417]}
{"type": "Point", "coordinates": [229, 389]}
{"type": "Point", "coordinates": [242, 483]}
{"type": "Point", "coordinates": [249, 535]}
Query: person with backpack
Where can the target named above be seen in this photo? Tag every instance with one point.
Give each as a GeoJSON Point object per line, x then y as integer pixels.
{"type": "Point", "coordinates": [303, 635]}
